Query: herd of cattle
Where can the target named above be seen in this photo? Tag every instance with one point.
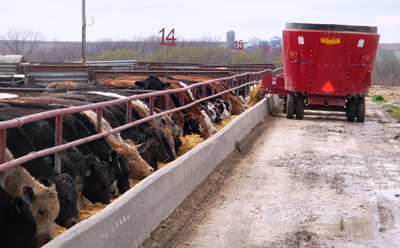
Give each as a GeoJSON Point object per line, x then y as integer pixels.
{"type": "Point", "coordinates": [34, 196]}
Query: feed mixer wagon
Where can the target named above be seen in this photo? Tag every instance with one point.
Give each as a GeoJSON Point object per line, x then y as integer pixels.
{"type": "Point", "coordinates": [326, 67]}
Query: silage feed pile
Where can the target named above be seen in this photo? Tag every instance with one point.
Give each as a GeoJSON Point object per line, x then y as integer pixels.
{"type": "Point", "coordinates": [255, 96]}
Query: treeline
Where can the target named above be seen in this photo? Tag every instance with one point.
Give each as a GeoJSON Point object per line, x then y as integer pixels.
{"type": "Point", "coordinates": [204, 50]}
{"type": "Point", "coordinates": [386, 69]}
{"type": "Point", "coordinates": [387, 73]}
{"type": "Point", "coordinates": [204, 54]}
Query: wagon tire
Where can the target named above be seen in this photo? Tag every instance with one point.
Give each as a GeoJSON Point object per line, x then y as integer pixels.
{"type": "Point", "coordinates": [361, 109]}
{"type": "Point", "coordinates": [300, 107]}
{"type": "Point", "coordinates": [351, 110]}
{"type": "Point", "coordinates": [284, 105]}
{"type": "Point", "coordinates": [290, 106]}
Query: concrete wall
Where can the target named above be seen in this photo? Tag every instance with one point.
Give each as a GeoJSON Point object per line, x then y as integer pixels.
{"type": "Point", "coordinates": [129, 220]}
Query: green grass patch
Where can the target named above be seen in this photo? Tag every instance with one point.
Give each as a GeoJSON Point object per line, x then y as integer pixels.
{"type": "Point", "coordinates": [378, 99]}
{"type": "Point", "coordinates": [394, 112]}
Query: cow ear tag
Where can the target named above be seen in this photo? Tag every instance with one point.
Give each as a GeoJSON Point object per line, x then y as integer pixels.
{"type": "Point", "coordinates": [25, 198]}
{"type": "Point", "coordinates": [88, 173]}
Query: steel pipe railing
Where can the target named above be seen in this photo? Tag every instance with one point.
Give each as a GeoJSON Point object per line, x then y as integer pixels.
{"type": "Point", "coordinates": [246, 80]}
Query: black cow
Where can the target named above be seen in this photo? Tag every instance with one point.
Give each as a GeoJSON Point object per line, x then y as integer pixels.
{"type": "Point", "coordinates": [115, 115]}
{"type": "Point", "coordinates": [159, 148]}
{"type": "Point", "coordinates": [78, 126]}
{"type": "Point", "coordinates": [123, 180]}
{"type": "Point", "coordinates": [17, 225]}
{"type": "Point", "coordinates": [74, 161]}
{"type": "Point", "coordinates": [152, 83]}
{"type": "Point", "coordinates": [98, 148]}
{"type": "Point", "coordinates": [19, 144]}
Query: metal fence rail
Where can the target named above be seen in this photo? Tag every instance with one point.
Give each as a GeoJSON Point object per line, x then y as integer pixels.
{"type": "Point", "coordinates": [234, 84]}
{"type": "Point", "coordinates": [8, 68]}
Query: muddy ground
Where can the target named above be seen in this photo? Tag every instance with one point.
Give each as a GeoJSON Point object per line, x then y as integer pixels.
{"type": "Point", "coordinates": [316, 182]}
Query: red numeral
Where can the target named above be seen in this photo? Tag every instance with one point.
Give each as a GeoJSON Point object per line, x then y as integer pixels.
{"type": "Point", "coordinates": [170, 37]}
{"type": "Point", "coordinates": [239, 45]}
{"type": "Point", "coordinates": [266, 49]}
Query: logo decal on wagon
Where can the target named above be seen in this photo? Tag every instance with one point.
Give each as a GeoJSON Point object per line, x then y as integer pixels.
{"type": "Point", "coordinates": [332, 41]}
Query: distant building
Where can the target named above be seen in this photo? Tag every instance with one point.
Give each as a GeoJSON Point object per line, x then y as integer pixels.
{"type": "Point", "coordinates": [263, 43]}
{"type": "Point", "coordinates": [275, 41]}
{"type": "Point", "coordinates": [253, 42]}
{"type": "Point", "coordinates": [230, 39]}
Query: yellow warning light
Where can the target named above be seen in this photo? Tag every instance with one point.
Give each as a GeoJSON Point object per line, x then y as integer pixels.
{"type": "Point", "coordinates": [291, 57]}
{"type": "Point", "coordinates": [366, 59]}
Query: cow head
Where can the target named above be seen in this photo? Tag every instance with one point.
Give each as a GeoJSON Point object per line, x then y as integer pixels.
{"type": "Point", "coordinates": [156, 146]}
{"type": "Point", "coordinates": [17, 225]}
{"type": "Point", "coordinates": [43, 203]}
{"type": "Point", "coordinates": [123, 180]}
{"type": "Point", "coordinates": [166, 122]}
{"type": "Point", "coordinates": [97, 181]}
{"type": "Point", "coordinates": [138, 168]}
{"type": "Point", "coordinates": [67, 197]}
{"type": "Point", "coordinates": [179, 118]}
{"type": "Point", "coordinates": [114, 170]}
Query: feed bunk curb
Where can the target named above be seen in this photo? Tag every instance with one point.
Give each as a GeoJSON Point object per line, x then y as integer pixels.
{"type": "Point", "coordinates": [129, 220]}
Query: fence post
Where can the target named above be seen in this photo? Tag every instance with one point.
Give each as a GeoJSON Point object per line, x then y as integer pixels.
{"type": "Point", "coordinates": [3, 133]}
{"type": "Point", "coordinates": [181, 96]}
{"type": "Point", "coordinates": [58, 139]}
{"type": "Point", "coordinates": [99, 113]}
{"type": "Point", "coordinates": [128, 112]}
{"type": "Point", "coordinates": [151, 105]}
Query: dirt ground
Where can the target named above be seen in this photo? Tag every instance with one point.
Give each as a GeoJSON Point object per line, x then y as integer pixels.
{"type": "Point", "coordinates": [316, 182]}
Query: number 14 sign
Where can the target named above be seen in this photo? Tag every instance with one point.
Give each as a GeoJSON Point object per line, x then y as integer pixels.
{"type": "Point", "coordinates": [169, 40]}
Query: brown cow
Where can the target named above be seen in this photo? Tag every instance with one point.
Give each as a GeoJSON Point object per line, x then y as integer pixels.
{"type": "Point", "coordinates": [43, 201]}
{"type": "Point", "coordinates": [62, 85]}
{"type": "Point", "coordinates": [124, 81]}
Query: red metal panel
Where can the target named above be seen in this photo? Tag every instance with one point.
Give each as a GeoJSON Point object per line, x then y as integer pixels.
{"type": "Point", "coordinates": [312, 58]}
{"type": "Point", "coordinates": [274, 85]}
{"type": "Point", "coordinates": [326, 101]}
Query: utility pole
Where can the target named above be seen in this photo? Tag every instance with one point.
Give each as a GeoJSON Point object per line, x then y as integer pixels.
{"type": "Point", "coordinates": [83, 33]}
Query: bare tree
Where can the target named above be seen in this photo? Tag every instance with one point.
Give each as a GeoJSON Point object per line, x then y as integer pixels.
{"type": "Point", "coordinates": [22, 42]}
{"type": "Point", "coordinates": [386, 72]}
{"type": "Point", "coordinates": [151, 45]}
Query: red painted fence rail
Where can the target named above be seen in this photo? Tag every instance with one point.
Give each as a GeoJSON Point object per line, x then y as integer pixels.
{"type": "Point", "coordinates": [234, 84]}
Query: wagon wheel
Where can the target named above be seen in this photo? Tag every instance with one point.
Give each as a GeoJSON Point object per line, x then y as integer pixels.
{"type": "Point", "coordinates": [351, 110]}
{"type": "Point", "coordinates": [300, 107]}
{"type": "Point", "coordinates": [290, 106]}
{"type": "Point", "coordinates": [361, 109]}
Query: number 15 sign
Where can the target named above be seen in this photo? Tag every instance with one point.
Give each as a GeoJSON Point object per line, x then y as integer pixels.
{"type": "Point", "coordinates": [170, 39]}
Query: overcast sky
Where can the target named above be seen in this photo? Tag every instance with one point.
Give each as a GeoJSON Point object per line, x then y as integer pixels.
{"type": "Point", "coordinates": [192, 20]}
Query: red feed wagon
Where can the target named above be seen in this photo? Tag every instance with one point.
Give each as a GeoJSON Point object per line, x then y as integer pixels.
{"type": "Point", "coordinates": [326, 67]}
